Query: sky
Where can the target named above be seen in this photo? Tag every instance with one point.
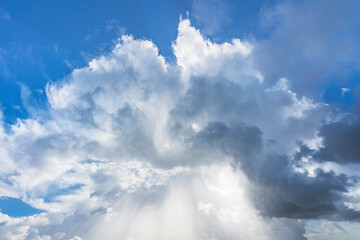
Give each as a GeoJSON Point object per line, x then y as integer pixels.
{"type": "Point", "coordinates": [180, 119]}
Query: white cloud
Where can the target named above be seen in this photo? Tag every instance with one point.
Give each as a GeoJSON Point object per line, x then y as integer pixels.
{"type": "Point", "coordinates": [344, 90]}
{"type": "Point", "coordinates": [199, 56]}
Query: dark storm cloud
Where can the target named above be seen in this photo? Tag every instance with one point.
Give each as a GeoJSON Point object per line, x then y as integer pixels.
{"type": "Point", "coordinates": [282, 192]}
{"type": "Point", "coordinates": [278, 190]}
{"type": "Point", "coordinates": [340, 142]}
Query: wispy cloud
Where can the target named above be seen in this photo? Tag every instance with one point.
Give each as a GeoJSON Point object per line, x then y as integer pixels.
{"type": "Point", "coordinates": [211, 15]}
{"type": "Point", "coordinates": [4, 15]}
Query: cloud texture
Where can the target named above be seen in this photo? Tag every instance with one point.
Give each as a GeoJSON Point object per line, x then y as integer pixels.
{"type": "Point", "coordinates": [136, 148]}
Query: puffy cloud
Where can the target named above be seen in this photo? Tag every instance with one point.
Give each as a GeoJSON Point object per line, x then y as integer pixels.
{"type": "Point", "coordinates": [135, 147]}
{"type": "Point", "coordinates": [199, 56]}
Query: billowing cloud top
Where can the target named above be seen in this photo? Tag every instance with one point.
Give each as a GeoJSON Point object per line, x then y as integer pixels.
{"type": "Point", "coordinates": [137, 148]}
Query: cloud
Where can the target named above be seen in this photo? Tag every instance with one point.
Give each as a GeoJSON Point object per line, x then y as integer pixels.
{"type": "Point", "coordinates": [211, 15]}
{"type": "Point", "coordinates": [134, 147]}
{"type": "Point", "coordinates": [339, 142]}
{"type": "Point", "coordinates": [311, 43]}
{"type": "Point", "coordinates": [199, 56]}
{"type": "Point", "coordinates": [4, 15]}
{"type": "Point", "coordinates": [331, 230]}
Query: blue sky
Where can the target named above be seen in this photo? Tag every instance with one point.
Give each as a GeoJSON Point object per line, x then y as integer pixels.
{"type": "Point", "coordinates": [16, 208]}
{"type": "Point", "coordinates": [235, 114]}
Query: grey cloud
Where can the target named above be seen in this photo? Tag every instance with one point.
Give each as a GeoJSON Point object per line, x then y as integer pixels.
{"type": "Point", "coordinates": [282, 192]}
{"type": "Point", "coordinates": [217, 97]}
{"type": "Point", "coordinates": [242, 142]}
{"type": "Point", "coordinates": [341, 142]}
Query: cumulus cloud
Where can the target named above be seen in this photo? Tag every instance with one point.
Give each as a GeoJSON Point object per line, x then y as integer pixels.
{"type": "Point", "coordinates": [135, 148]}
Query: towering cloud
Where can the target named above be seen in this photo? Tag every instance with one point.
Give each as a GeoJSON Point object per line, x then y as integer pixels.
{"type": "Point", "coordinates": [137, 148]}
